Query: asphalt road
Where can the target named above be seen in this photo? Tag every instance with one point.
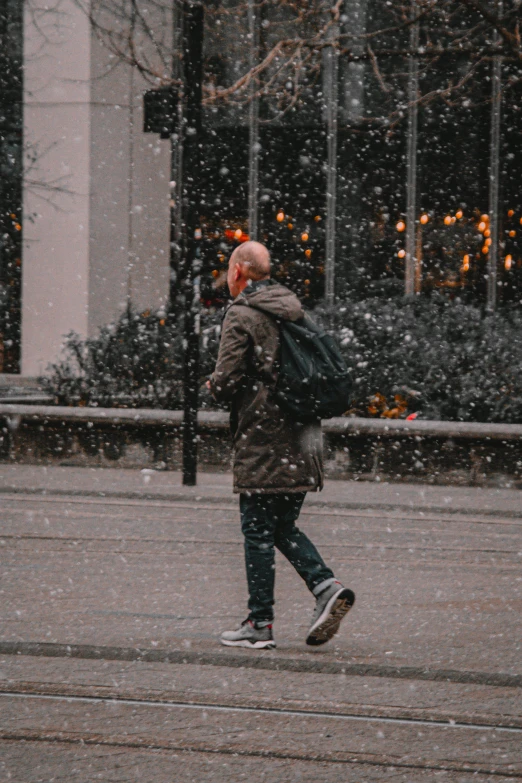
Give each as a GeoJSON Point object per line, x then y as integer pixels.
{"type": "Point", "coordinates": [116, 585]}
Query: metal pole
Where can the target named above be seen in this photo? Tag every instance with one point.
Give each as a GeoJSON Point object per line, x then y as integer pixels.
{"type": "Point", "coordinates": [331, 65]}
{"type": "Point", "coordinates": [494, 173]}
{"type": "Point", "coordinates": [253, 142]}
{"type": "Point", "coordinates": [411, 157]}
{"type": "Point", "coordinates": [193, 74]}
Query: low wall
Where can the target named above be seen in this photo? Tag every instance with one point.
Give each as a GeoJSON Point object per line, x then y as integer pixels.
{"type": "Point", "coordinates": [370, 449]}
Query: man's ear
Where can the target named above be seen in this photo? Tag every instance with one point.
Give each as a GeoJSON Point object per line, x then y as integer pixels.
{"type": "Point", "coordinates": [237, 272]}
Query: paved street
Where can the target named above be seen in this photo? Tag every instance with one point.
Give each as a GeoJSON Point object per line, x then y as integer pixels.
{"type": "Point", "coordinates": [116, 584]}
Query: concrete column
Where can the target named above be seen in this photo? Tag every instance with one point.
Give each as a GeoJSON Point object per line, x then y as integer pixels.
{"type": "Point", "coordinates": [57, 127]}
{"type": "Point", "coordinates": [129, 197]}
{"type": "Point", "coordinates": [96, 199]}
{"type": "Point", "coordinates": [149, 219]}
{"type": "Point", "coordinates": [110, 187]}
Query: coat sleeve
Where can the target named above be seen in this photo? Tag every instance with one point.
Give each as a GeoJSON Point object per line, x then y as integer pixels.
{"type": "Point", "coordinates": [230, 373]}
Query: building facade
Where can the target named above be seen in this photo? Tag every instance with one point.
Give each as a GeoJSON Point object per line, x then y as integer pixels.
{"type": "Point", "coordinates": [95, 190]}
{"type": "Point", "coordinates": [358, 187]}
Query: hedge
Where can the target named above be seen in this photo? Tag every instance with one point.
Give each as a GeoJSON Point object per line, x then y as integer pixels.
{"type": "Point", "coordinates": [437, 358]}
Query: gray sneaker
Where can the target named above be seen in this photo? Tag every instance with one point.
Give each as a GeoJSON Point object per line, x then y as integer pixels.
{"type": "Point", "coordinates": [332, 605]}
{"type": "Point", "coordinates": [247, 635]}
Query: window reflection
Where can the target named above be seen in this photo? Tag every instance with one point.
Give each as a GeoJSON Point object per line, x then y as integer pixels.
{"type": "Point", "coordinates": [452, 228]}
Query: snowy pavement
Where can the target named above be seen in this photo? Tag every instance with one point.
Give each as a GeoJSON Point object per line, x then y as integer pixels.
{"type": "Point", "coordinates": [117, 583]}
{"type": "Point", "coordinates": [213, 486]}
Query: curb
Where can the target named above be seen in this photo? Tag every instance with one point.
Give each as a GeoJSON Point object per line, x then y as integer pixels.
{"type": "Point", "coordinates": [269, 662]}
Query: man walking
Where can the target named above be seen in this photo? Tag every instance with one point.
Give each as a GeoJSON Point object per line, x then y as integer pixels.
{"type": "Point", "coordinates": [276, 460]}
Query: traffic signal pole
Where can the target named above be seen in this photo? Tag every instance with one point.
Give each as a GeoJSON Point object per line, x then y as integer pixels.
{"type": "Point", "coordinates": [175, 112]}
{"type": "Point", "coordinates": [191, 131]}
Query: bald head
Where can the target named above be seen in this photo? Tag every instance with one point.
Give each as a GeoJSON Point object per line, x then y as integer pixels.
{"type": "Point", "coordinates": [249, 261]}
{"type": "Point", "coordinates": [254, 258]}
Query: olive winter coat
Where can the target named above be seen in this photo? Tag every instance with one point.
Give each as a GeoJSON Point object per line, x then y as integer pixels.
{"type": "Point", "coordinates": [271, 452]}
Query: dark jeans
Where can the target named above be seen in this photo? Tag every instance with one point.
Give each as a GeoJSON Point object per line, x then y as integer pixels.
{"type": "Point", "coordinates": [268, 521]}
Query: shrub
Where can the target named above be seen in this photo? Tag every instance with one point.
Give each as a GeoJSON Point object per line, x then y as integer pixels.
{"type": "Point", "coordinates": [135, 363]}
{"type": "Point", "coordinates": [442, 359]}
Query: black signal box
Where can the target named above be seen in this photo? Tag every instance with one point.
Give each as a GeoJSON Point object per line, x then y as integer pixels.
{"type": "Point", "coordinates": [160, 111]}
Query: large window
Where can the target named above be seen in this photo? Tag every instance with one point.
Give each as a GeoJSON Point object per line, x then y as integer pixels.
{"type": "Point", "coordinates": [288, 193]}
{"type": "Point", "coordinates": [412, 162]}
{"type": "Point", "coordinates": [453, 187]}
{"type": "Point", "coordinates": [511, 188]}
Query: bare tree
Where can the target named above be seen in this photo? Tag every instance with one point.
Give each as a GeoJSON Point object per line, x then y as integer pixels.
{"type": "Point", "coordinates": [455, 40]}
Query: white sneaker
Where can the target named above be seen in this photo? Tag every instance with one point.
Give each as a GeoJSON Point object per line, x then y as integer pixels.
{"type": "Point", "coordinates": [247, 635]}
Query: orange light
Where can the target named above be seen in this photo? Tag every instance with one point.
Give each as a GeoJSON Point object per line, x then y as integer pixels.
{"type": "Point", "coordinates": [459, 214]}
{"type": "Point", "coordinates": [511, 212]}
{"type": "Point", "coordinates": [447, 220]}
{"type": "Point", "coordinates": [304, 237]}
{"type": "Point", "coordinates": [508, 262]}
{"type": "Point", "coordinates": [215, 273]}
{"type": "Point", "coordinates": [401, 253]}
{"type": "Point", "coordinates": [488, 241]}
{"type": "Point", "coordinates": [485, 250]}
{"type": "Point", "coordinates": [512, 233]}
{"type": "Point", "coordinates": [18, 226]}
{"type": "Point", "coordinates": [308, 252]}
{"type": "Point", "coordinates": [487, 233]}
{"type": "Point", "coordinates": [485, 218]}
{"type": "Point", "coordinates": [481, 226]}
{"type": "Point", "coordinates": [290, 226]}
{"type": "Point", "coordinates": [401, 225]}
{"type": "Point", "coordinates": [465, 263]}
{"type": "Point", "coordinates": [307, 282]}
{"type": "Point", "coordinates": [521, 221]}
{"type": "Point", "coordinates": [235, 235]}
{"type": "Point", "coordinates": [280, 216]}
{"type": "Point", "coordinates": [317, 218]}
{"type": "Point", "coordinates": [424, 219]}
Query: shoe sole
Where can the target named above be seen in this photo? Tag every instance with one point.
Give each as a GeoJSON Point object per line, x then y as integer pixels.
{"type": "Point", "coordinates": [269, 645]}
{"type": "Point", "coordinates": [327, 624]}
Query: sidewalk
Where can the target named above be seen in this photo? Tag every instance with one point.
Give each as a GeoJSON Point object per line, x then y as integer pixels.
{"type": "Point", "coordinates": [214, 487]}
{"type": "Point", "coordinates": [116, 585]}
